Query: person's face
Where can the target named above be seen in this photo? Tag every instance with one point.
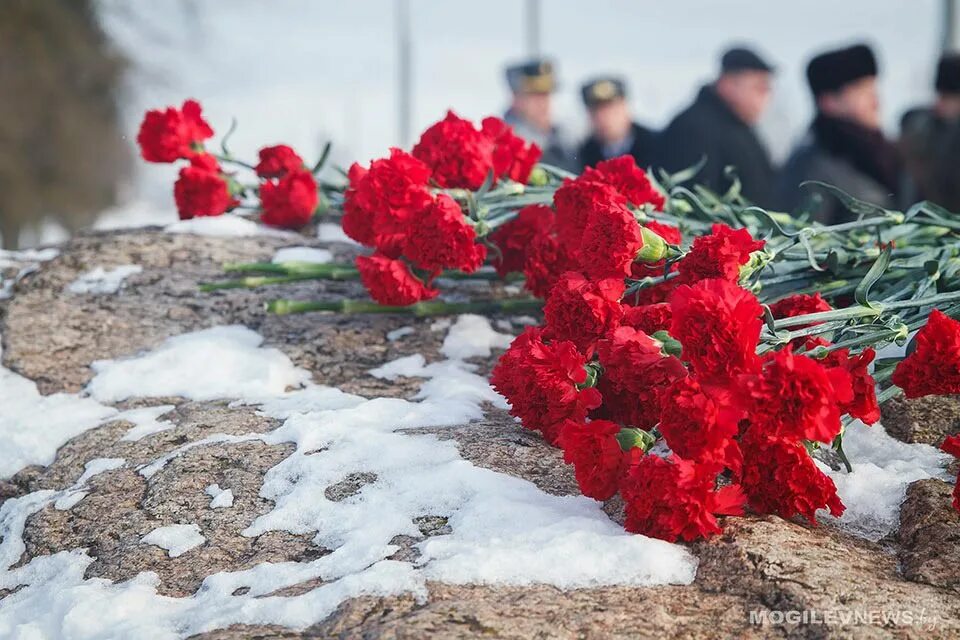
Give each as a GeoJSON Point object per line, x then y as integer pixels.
{"type": "Point", "coordinates": [948, 106]}
{"type": "Point", "coordinates": [610, 120]}
{"type": "Point", "coordinates": [747, 93]}
{"type": "Point", "coordinates": [534, 108]}
{"type": "Point", "coordinates": [857, 101]}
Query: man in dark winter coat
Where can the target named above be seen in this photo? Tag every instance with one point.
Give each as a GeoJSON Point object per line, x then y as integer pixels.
{"type": "Point", "coordinates": [930, 140]}
{"type": "Point", "coordinates": [719, 126]}
{"type": "Point", "coordinates": [845, 146]}
{"type": "Point", "coordinates": [613, 131]}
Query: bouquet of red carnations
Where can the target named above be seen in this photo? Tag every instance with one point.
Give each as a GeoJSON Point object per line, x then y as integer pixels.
{"type": "Point", "coordinates": [695, 350]}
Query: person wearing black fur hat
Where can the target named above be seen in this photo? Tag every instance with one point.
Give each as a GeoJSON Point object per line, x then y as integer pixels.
{"type": "Point", "coordinates": [532, 84]}
{"type": "Point", "coordinates": [930, 140]}
{"type": "Point", "coordinates": [719, 126]}
{"type": "Point", "coordinates": [613, 132]}
{"type": "Point", "coordinates": [845, 146]}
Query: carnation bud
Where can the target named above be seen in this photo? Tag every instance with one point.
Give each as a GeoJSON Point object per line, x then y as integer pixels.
{"type": "Point", "coordinates": [670, 345]}
{"type": "Point", "coordinates": [758, 260]}
{"type": "Point", "coordinates": [654, 248]}
{"type": "Point", "coordinates": [630, 438]}
{"type": "Point", "coordinates": [538, 177]}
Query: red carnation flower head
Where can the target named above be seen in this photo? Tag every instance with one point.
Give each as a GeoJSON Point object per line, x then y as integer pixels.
{"type": "Point", "coordinates": [575, 201]}
{"type": "Point", "coordinates": [675, 498]}
{"type": "Point", "coordinates": [634, 361]}
{"type": "Point", "coordinates": [545, 262]}
{"type": "Point", "coordinates": [610, 241]}
{"type": "Point", "coordinates": [718, 323]}
{"type": "Point", "coordinates": [459, 154]}
{"type": "Point", "coordinates": [700, 423]}
{"type": "Point", "coordinates": [390, 281]}
{"type": "Point", "coordinates": [544, 383]}
{"type": "Point", "coordinates": [635, 409]}
{"type": "Point", "coordinates": [290, 201]}
{"type": "Point", "coordinates": [934, 367]}
{"type": "Point", "coordinates": [595, 453]}
{"type": "Point", "coordinates": [201, 189]}
{"type": "Point", "coordinates": [625, 176]}
{"type": "Point", "coordinates": [380, 201]}
{"type": "Point", "coordinates": [277, 161]}
{"type": "Point", "coordinates": [513, 239]}
{"type": "Point", "coordinates": [441, 238]}
{"type": "Point", "coordinates": [648, 318]}
{"type": "Point", "coordinates": [719, 255]}
{"type": "Point", "coordinates": [173, 133]}
{"type": "Point", "coordinates": [951, 445]}
{"type": "Point", "coordinates": [513, 158]}
{"type": "Point", "coordinates": [799, 304]}
{"type": "Point", "coordinates": [582, 311]}
{"type": "Point", "coordinates": [797, 398]}
{"type": "Point", "coordinates": [779, 477]}
{"type": "Point", "coordinates": [864, 403]}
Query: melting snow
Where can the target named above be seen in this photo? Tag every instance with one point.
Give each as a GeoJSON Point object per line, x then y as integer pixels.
{"type": "Point", "coordinates": [225, 226]}
{"type": "Point", "coordinates": [303, 254]}
{"type": "Point", "coordinates": [146, 421]}
{"type": "Point", "coordinates": [333, 232]}
{"type": "Point", "coordinates": [472, 336]}
{"type": "Point", "coordinates": [396, 334]}
{"type": "Point", "coordinates": [101, 281]}
{"type": "Point", "coordinates": [26, 262]}
{"type": "Point", "coordinates": [221, 497]}
{"type": "Point", "coordinates": [177, 539]}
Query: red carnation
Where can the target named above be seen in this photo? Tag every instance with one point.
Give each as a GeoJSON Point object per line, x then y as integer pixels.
{"type": "Point", "coordinates": [546, 261]}
{"type": "Point", "coordinates": [594, 451]}
{"type": "Point", "coordinates": [633, 361]}
{"type": "Point", "coordinates": [797, 398]}
{"type": "Point", "coordinates": [952, 446]}
{"type": "Point", "coordinates": [201, 189]}
{"type": "Point", "coordinates": [719, 255]}
{"type": "Point", "coordinates": [582, 310]}
{"type": "Point", "coordinates": [542, 382]}
{"type": "Point", "coordinates": [380, 201]}
{"type": "Point", "coordinates": [639, 409]}
{"type": "Point", "coordinates": [513, 238]}
{"type": "Point", "coordinates": [277, 161]}
{"type": "Point", "coordinates": [513, 158]}
{"type": "Point", "coordinates": [675, 498]}
{"type": "Point", "coordinates": [934, 367]}
{"type": "Point", "coordinates": [625, 176]}
{"type": "Point", "coordinates": [290, 201]}
{"type": "Point", "coordinates": [171, 134]}
{"type": "Point", "coordinates": [718, 323]}
{"type": "Point", "coordinates": [390, 281]}
{"type": "Point", "coordinates": [700, 423]}
{"type": "Point", "coordinates": [441, 238]}
{"type": "Point", "coordinates": [459, 155]}
{"type": "Point", "coordinates": [610, 241]}
{"type": "Point", "coordinates": [781, 478]}
{"type": "Point", "coordinates": [575, 202]}
{"type": "Point", "coordinates": [648, 318]}
{"type": "Point", "coordinates": [864, 403]}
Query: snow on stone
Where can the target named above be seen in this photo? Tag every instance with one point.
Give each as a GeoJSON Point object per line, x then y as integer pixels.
{"type": "Point", "coordinates": [176, 539]}
{"type": "Point", "coordinates": [225, 226]}
{"type": "Point", "coordinates": [472, 336]}
{"type": "Point", "coordinates": [26, 262]}
{"type": "Point", "coordinates": [74, 494]}
{"type": "Point", "coordinates": [441, 325]}
{"type": "Point", "coordinates": [333, 232]}
{"type": "Point", "coordinates": [34, 426]}
{"type": "Point", "coordinates": [405, 367]}
{"type": "Point", "coordinates": [396, 334]}
{"type": "Point", "coordinates": [146, 421]}
{"type": "Point", "coordinates": [221, 497]}
{"type": "Point", "coordinates": [222, 362]}
{"type": "Point", "coordinates": [102, 281]}
{"type": "Point", "coordinates": [883, 467]}
{"type": "Point", "coordinates": [312, 255]}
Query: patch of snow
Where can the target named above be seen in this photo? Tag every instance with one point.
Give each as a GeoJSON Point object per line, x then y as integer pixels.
{"type": "Point", "coordinates": [27, 262]}
{"type": "Point", "coordinates": [221, 497]}
{"type": "Point", "coordinates": [312, 255]}
{"type": "Point", "coordinates": [74, 494]}
{"type": "Point", "coordinates": [102, 281]}
{"type": "Point", "coordinates": [525, 321]}
{"type": "Point", "coordinates": [222, 362]}
{"type": "Point", "coordinates": [883, 467]}
{"type": "Point", "coordinates": [70, 500]}
{"type": "Point", "coordinates": [472, 336]}
{"type": "Point", "coordinates": [175, 539]}
{"type": "Point", "coordinates": [441, 325]}
{"type": "Point", "coordinates": [146, 421]}
{"type": "Point", "coordinates": [225, 226]}
{"type": "Point", "coordinates": [333, 232]}
{"type": "Point", "coordinates": [405, 367]}
{"type": "Point", "coordinates": [396, 334]}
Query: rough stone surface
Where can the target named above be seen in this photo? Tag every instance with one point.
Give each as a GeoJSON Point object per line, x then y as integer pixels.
{"type": "Point", "coordinates": [929, 419]}
{"type": "Point", "coordinates": [763, 566]}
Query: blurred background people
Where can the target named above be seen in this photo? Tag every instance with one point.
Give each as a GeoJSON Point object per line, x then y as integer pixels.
{"type": "Point", "coordinates": [719, 125]}
{"type": "Point", "coordinates": [930, 140]}
{"type": "Point", "coordinates": [613, 132]}
{"type": "Point", "coordinates": [845, 146]}
{"type": "Point", "coordinates": [532, 84]}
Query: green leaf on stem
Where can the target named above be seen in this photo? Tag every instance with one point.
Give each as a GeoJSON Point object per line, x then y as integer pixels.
{"type": "Point", "coordinates": [862, 292]}
{"type": "Point", "coordinates": [323, 158]}
{"type": "Point", "coordinates": [628, 437]}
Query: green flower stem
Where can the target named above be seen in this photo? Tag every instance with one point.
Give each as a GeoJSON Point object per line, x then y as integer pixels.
{"type": "Point", "coordinates": [420, 309]}
{"type": "Point", "coordinates": [858, 311]}
{"type": "Point", "coordinates": [286, 268]}
{"type": "Point", "coordinates": [889, 393]}
{"type": "Point", "coordinates": [232, 160]}
{"type": "Point", "coordinates": [252, 282]}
